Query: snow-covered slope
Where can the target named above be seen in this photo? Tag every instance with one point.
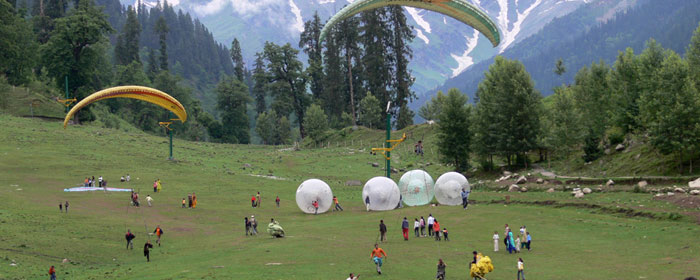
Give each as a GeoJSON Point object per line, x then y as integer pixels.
{"type": "Point", "coordinates": [443, 46]}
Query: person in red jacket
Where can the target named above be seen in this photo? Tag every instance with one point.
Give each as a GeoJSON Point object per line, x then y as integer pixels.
{"type": "Point", "coordinates": [158, 231]}
{"type": "Point", "coordinates": [252, 201]}
{"type": "Point", "coordinates": [436, 228]}
{"type": "Point", "coordinates": [129, 239]}
{"type": "Point", "coordinates": [52, 272]}
{"type": "Point", "coordinates": [315, 204]}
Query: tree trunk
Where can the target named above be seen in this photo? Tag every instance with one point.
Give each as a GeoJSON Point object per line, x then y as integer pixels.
{"type": "Point", "coordinates": [549, 162]}
{"type": "Point", "coordinates": [352, 94]}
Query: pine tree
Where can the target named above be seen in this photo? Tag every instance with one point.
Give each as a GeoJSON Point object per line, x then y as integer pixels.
{"type": "Point", "coordinates": [162, 29]}
{"type": "Point", "coordinates": [432, 109]}
{"type": "Point", "coordinates": [370, 111]}
{"type": "Point", "coordinates": [237, 58]}
{"type": "Point", "coordinates": [288, 80]}
{"type": "Point", "coordinates": [232, 100]}
{"type": "Point", "coordinates": [260, 81]}
{"type": "Point", "coordinates": [376, 39]}
{"type": "Point", "coordinates": [309, 43]}
{"type": "Point", "coordinates": [17, 46]}
{"type": "Point", "coordinates": [454, 130]}
{"type": "Point", "coordinates": [335, 100]}
{"type": "Point", "coordinates": [132, 33]}
{"type": "Point", "coordinates": [153, 67]}
{"type": "Point", "coordinates": [316, 122]}
{"type": "Point", "coordinates": [265, 127]}
{"type": "Point", "coordinates": [401, 54]}
{"type": "Point", "coordinates": [591, 92]}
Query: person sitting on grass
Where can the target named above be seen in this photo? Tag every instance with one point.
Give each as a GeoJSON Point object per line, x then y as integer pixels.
{"type": "Point", "coordinates": [275, 229]}
{"type": "Point", "coordinates": [376, 256]}
{"type": "Point", "coordinates": [353, 277]}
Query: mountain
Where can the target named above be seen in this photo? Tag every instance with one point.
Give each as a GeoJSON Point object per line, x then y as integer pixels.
{"type": "Point", "coordinates": [443, 46]}
{"type": "Point", "coordinates": [596, 31]}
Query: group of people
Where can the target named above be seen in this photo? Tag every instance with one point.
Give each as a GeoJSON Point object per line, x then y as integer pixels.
{"type": "Point", "coordinates": [513, 244]}
{"type": "Point", "coordinates": [147, 246]}
{"type": "Point", "coordinates": [125, 179]}
{"type": "Point", "coordinates": [419, 226]}
{"type": "Point", "coordinates": [61, 206]}
{"type": "Point", "coordinates": [90, 182]}
{"type": "Point", "coordinates": [255, 200]}
{"type": "Point", "coordinates": [157, 187]}
{"type": "Point", "coordinates": [135, 199]}
{"type": "Point", "coordinates": [251, 225]}
{"type": "Point", "coordinates": [191, 201]}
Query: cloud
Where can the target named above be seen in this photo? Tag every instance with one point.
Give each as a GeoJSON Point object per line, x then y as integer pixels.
{"type": "Point", "coordinates": [242, 7]}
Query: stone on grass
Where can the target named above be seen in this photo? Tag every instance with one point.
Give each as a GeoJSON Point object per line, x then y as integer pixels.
{"type": "Point", "coordinates": [507, 173]}
{"type": "Point", "coordinates": [679, 190]}
{"type": "Point", "coordinates": [610, 183]}
{"type": "Point", "coordinates": [523, 189]}
{"type": "Point", "coordinates": [694, 185]}
{"type": "Point", "coordinates": [642, 184]}
{"type": "Point", "coordinates": [550, 190]}
{"type": "Point", "coordinates": [513, 188]}
{"type": "Point", "coordinates": [374, 164]}
{"type": "Point", "coordinates": [587, 190]}
{"type": "Point", "coordinates": [695, 192]}
{"type": "Point", "coordinates": [521, 180]}
{"type": "Point", "coordinates": [619, 147]}
{"type": "Point", "coordinates": [540, 181]}
{"type": "Point", "coordinates": [578, 195]}
{"type": "Point", "coordinates": [670, 193]}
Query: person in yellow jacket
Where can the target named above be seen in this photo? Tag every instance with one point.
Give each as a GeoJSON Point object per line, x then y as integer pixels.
{"type": "Point", "coordinates": [160, 187]}
{"type": "Point", "coordinates": [194, 200]}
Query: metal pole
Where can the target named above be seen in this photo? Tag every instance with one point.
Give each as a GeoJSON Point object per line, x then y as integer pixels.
{"type": "Point", "coordinates": [387, 144]}
{"type": "Point", "coordinates": [66, 92]}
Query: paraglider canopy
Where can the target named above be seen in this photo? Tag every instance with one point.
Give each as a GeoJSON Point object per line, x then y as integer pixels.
{"type": "Point", "coordinates": [458, 9]}
{"type": "Point", "coordinates": [314, 190]}
{"type": "Point", "coordinates": [147, 94]}
{"type": "Point", "coordinates": [417, 187]}
{"type": "Point", "coordinates": [383, 194]}
{"type": "Point", "coordinates": [448, 188]}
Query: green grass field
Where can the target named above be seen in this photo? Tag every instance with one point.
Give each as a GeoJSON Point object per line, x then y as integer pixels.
{"type": "Point", "coordinates": [38, 159]}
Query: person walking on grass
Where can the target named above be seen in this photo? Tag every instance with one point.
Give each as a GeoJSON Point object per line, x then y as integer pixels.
{"type": "Point", "coordinates": [431, 221]}
{"type": "Point", "coordinates": [194, 200]}
{"type": "Point", "coordinates": [87, 182]}
{"type": "Point", "coordinates": [528, 240]}
{"type": "Point", "coordinates": [511, 242]}
{"type": "Point", "coordinates": [496, 239]}
{"type": "Point", "coordinates": [147, 250]}
{"type": "Point", "coordinates": [441, 270]}
{"type": "Point", "coordinates": [149, 199]}
{"type": "Point", "coordinates": [277, 201]}
{"type": "Point", "coordinates": [518, 244]}
{"type": "Point", "coordinates": [184, 203]}
{"type": "Point", "coordinates": [382, 231]}
{"type": "Point", "coordinates": [52, 272]}
{"type": "Point", "coordinates": [60, 207]}
{"type": "Point", "coordinates": [159, 187]}
{"type": "Point", "coordinates": [404, 228]}
{"type": "Point", "coordinates": [315, 205]}
{"type": "Point", "coordinates": [337, 205]}
{"type": "Point", "coordinates": [66, 206]}
{"type": "Point", "coordinates": [521, 268]}
{"type": "Point", "coordinates": [257, 200]}
{"type": "Point", "coordinates": [253, 225]}
{"type": "Point", "coordinates": [367, 203]}
{"type": "Point", "coordinates": [416, 227]}
{"type": "Point", "coordinates": [465, 198]}
{"type": "Point", "coordinates": [247, 226]}
{"type": "Point", "coordinates": [158, 231]}
{"type": "Point", "coordinates": [155, 186]}
{"type": "Point", "coordinates": [376, 256]}
{"type": "Point", "coordinates": [436, 229]}
{"type": "Point", "coordinates": [189, 201]}
{"type": "Point", "coordinates": [422, 226]}
{"type": "Point", "coordinates": [252, 201]}
{"type": "Point", "coordinates": [129, 239]}
{"type": "Point", "coordinates": [444, 234]}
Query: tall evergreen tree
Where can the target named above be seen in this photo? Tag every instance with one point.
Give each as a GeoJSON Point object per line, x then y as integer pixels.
{"type": "Point", "coordinates": [348, 40]}
{"type": "Point", "coordinates": [232, 100]}
{"type": "Point", "coordinates": [17, 46]}
{"type": "Point", "coordinates": [401, 54]}
{"type": "Point", "coordinates": [377, 63]}
{"type": "Point", "coordinates": [334, 99]}
{"type": "Point", "coordinates": [692, 55]}
{"type": "Point", "coordinates": [625, 85]}
{"type": "Point", "coordinates": [153, 67]}
{"type": "Point", "coordinates": [260, 81]}
{"type": "Point", "coordinates": [237, 58]}
{"type": "Point", "coordinates": [591, 91]}
{"type": "Point", "coordinates": [288, 80]}
{"type": "Point", "coordinates": [454, 130]}
{"type": "Point", "coordinates": [162, 30]}
{"type": "Point", "coordinates": [310, 44]}
{"type": "Point", "coordinates": [127, 48]}
{"type": "Point", "coordinates": [370, 111]}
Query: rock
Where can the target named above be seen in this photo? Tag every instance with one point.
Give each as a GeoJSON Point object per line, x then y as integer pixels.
{"type": "Point", "coordinates": [679, 190]}
{"type": "Point", "coordinates": [247, 165]}
{"type": "Point", "coordinates": [550, 190]}
{"type": "Point", "coordinates": [374, 164]}
{"type": "Point", "coordinates": [65, 261]}
{"type": "Point", "coordinates": [619, 147]}
{"type": "Point", "coordinates": [513, 188]}
{"type": "Point", "coordinates": [402, 169]}
{"type": "Point", "coordinates": [587, 190]}
{"type": "Point", "coordinates": [523, 189]}
{"type": "Point", "coordinates": [578, 195]}
{"type": "Point", "coordinates": [642, 184]}
{"type": "Point", "coordinates": [610, 183]}
{"type": "Point", "coordinates": [637, 156]}
{"type": "Point", "coordinates": [394, 170]}
{"type": "Point", "coordinates": [507, 173]}
{"type": "Point", "coordinates": [599, 189]}
{"type": "Point", "coordinates": [607, 151]}
{"type": "Point", "coordinates": [353, 183]}
{"type": "Point", "coordinates": [694, 185]}
{"type": "Point", "coordinates": [540, 181]}
{"type": "Point", "coordinates": [695, 192]}
{"type": "Point", "coordinates": [658, 195]}
{"type": "Point", "coordinates": [670, 193]}
{"type": "Point", "coordinates": [521, 180]}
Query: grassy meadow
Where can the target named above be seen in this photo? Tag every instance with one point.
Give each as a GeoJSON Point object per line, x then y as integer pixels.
{"type": "Point", "coordinates": [38, 159]}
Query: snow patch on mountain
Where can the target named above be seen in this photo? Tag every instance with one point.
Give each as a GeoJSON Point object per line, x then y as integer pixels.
{"type": "Point", "coordinates": [464, 60]}
{"type": "Point", "coordinates": [510, 34]}
{"type": "Point", "coordinates": [416, 15]}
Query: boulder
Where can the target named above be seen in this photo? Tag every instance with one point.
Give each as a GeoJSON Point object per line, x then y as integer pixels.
{"type": "Point", "coordinates": [507, 173]}
{"type": "Point", "coordinates": [679, 190]}
{"type": "Point", "coordinates": [619, 147]}
{"type": "Point", "coordinates": [374, 164]}
{"type": "Point", "coordinates": [540, 181]}
{"type": "Point", "coordinates": [521, 180]}
{"type": "Point", "coordinates": [550, 190]}
{"type": "Point", "coordinates": [694, 185]}
{"type": "Point", "coordinates": [610, 183]}
{"type": "Point", "coordinates": [578, 195]}
{"type": "Point", "coordinates": [658, 195]}
{"type": "Point", "coordinates": [65, 261]}
{"type": "Point", "coordinates": [642, 184]}
{"type": "Point", "coordinates": [670, 193]}
{"type": "Point", "coordinates": [523, 189]}
{"type": "Point", "coordinates": [587, 190]}
{"type": "Point", "coordinates": [394, 170]}
{"type": "Point", "coordinates": [695, 192]}
{"type": "Point", "coordinates": [353, 183]}
{"type": "Point", "coordinates": [513, 188]}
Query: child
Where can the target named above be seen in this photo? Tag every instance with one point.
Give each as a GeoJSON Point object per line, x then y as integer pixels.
{"type": "Point", "coordinates": [416, 226]}
{"type": "Point", "coordinates": [315, 204]}
{"type": "Point", "coordinates": [441, 270]}
{"type": "Point", "coordinates": [149, 199]}
{"type": "Point", "coordinates": [517, 244]}
{"type": "Point", "coordinates": [527, 243]}
{"type": "Point", "coordinates": [521, 268]}
{"type": "Point", "coordinates": [52, 272]}
{"type": "Point", "coordinates": [184, 203]}
{"type": "Point", "coordinates": [496, 239]}
{"type": "Point", "coordinates": [444, 234]}
{"type": "Point", "coordinates": [277, 201]}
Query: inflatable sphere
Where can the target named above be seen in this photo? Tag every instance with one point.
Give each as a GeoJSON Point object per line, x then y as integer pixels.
{"type": "Point", "coordinates": [448, 188]}
{"type": "Point", "coordinates": [383, 194]}
{"type": "Point", "coordinates": [417, 187]}
{"type": "Point", "coordinates": [314, 190]}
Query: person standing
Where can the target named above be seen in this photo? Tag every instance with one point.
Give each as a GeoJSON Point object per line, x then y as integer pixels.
{"type": "Point", "coordinates": [100, 181]}
{"type": "Point", "coordinates": [158, 231]}
{"type": "Point", "coordinates": [529, 239]}
{"type": "Point", "coordinates": [128, 178]}
{"type": "Point", "coordinates": [253, 225]}
{"type": "Point", "coordinates": [189, 201]}
{"type": "Point", "coordinates": [521, 268]}
{"type": "Point", "coordinates": [431, 221]}
{"type": "Point", "coordinates": [518, 243]}
{"type": "Point", "coordinates": [441, 270]}
{"type": "Point", "coordinates": [465, 198]}
{"type": "Point", "coordinates": [511, 242]}
{"type": "Point", "coordinates": [155, 186]}
{"type": "Point", "coordinates": [257, 200]}
{"type": "Point", "coordinates": [194, 200]}
{"type": "Point", "coordinates": [158, 185]}
{"type": "Point", "coordinates": [496, 239]}
{"type": "Point", "coordinates": [376, 256]}
{"type": "Point", "coordinates": [404, 228]}
{"type": "Point", "coordinates": [315, 205]}
{"type": "Point", "coordinates": [247, 226]}
{"type": "Point", "coordinates": [149, 199]}
{"type": "Point", "coordinates": [66, 206]}
{"type": "Point", "coordinates": [129, 239]}
{"type": "Point", "coordinates": [184, 203]}
{"type": "Point", "coordinates": [382, 231]}
{"type": "Point", "coordinates": [436, 229]}
{"type": "Point", "coordinates": [87, 182]}
{"type": "Point", "coordinates": [367, 202]}
{"type": "Point", "coordinates": [416, 227]}
{"type": "Point", "coordinates": [422, 226]}
{"type": "Point", "coordinates": [277, 201]}
{"type": "Point", "coordinates": [444, 234]}
{"type": "Point", "coordinates": [337, 205]}
{"type": "Point", "coordinates": [60, 207]}
{"type": "Point", "coordinates": [147, 250]}
{"type": "Point", "coordinates": [52, 272]}
{"type": "Point", "coordinates": [252, 201]}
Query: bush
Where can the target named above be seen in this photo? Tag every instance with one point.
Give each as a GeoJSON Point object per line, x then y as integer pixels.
{"type": "Point", "coordinates": [615, 135]}
{"type": "Point", "coordinates": [637, 189]}
{"type": "Point", "coordinates": [674, 216]}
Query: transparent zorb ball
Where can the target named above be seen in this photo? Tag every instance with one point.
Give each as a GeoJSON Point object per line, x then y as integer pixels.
{"type": "Point", "coordinates": [383, 194]}
{"type": "Point", "coordinates": [314, 190]}
{"type": "Point", "coordinates": [448, 188]}
{"type": "Point", "coordinates": [416, 187]}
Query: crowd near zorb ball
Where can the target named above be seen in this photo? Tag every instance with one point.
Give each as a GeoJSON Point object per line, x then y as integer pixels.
{"type": "Point", "coordinates": [314, 190]}
{"type": "Point", "coordinates": [383, 194]}
{"type": "Point", "coordinates": [448, 188]}
{"type": "Point", "coordinates": [417, 187]}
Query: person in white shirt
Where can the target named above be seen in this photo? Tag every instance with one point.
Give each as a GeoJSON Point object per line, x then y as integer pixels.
{"type": "Point", "coordinates": [496, 239]}
{"type": "Point", "coordinates": [416, 227]}
{"type": "Point", "coordinates": [149, 199]}
{"type": "Point", "coordinates": [431, 221]}
{"type": "Point", "coordinates": [99, 180]}
{"type": "Point", "coordinates": [353, 277]}
{"type": "Point", "coordinates": [128, 178]}
{"type": "Point", "coordinates": [521, 268]}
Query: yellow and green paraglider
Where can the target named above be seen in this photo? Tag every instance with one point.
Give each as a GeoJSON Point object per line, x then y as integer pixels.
{"type": "Point", "coordinates": [458, 9]}
{"type": "Point", "coordinates": [147, 94]}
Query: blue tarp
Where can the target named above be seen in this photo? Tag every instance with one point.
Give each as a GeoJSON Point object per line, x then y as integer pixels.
{"type": "Point", "coordinates": [89, 189]}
